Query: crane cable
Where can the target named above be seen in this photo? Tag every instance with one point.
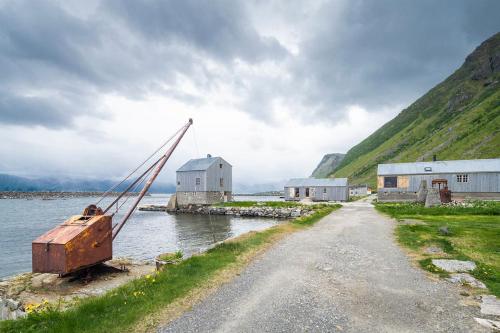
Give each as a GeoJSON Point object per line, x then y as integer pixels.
{"type": "Point", "coordinates": [137, 168]}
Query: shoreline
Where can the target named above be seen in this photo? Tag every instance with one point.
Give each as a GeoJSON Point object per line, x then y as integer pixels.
{"type": "Point", "coordinates": [52, 195]}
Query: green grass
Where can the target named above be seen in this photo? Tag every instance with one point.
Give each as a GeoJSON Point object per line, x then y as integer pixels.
{"type": "Point", "coordinates": [356, 197]}
{"type": "Point", "coordinates": [122, 308]}
{"type": "Point", "coordinates": [175, 256]}
{"type": "Point", "coordinates": [397, 210]}
{"type": "Point", "coordinates": [474, 234]}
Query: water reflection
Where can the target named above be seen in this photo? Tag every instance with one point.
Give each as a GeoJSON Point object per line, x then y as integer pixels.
{"type": "Point", "coordinates": [197, 232]}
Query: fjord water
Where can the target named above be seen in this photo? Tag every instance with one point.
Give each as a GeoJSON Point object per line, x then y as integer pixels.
{"type": "Point", "coordinates": [145, 235]}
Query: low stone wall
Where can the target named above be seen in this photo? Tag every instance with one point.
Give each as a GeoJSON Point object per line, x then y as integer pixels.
{"type": "Point", "coordinates": [202, 198]}
{"type": "Point", "coordinates": [397, 196]}
{"type": "Point", "coordinates": [246, 211]}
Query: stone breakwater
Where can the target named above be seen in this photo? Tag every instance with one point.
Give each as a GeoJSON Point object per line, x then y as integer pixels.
{"type": "Point", "coordinates": [247, 211]}
{"type": "Point", "coordinates": [254, 211]}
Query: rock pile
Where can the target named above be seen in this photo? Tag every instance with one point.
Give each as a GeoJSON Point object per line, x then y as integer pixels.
{"type": "Point", "coordinates": [291, 212]}
{"type": "Point", "coordinates": [10, 309]}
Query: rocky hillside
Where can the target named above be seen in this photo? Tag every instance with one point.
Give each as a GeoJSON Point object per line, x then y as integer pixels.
{"type": "Point", "coordinates": [457, 119]}
{"type": "Point", "coordinates": [327, 165]}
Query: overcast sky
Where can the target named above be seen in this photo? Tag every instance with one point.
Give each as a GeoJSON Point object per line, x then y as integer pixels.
{"type": "Point", "coordinates": [89, 88]}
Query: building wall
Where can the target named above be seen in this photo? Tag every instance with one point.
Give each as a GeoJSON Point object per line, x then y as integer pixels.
{"type": "Point", "coordinates": [477, 182]}
{"type": "Point", "coordinates": [202, 198]}
{"type": "Point", "coordinates": [215, 173]}
{"type": "Point", "coordinates": [186, 181]}
{"type": "Point", "coordinates": [317, 193]}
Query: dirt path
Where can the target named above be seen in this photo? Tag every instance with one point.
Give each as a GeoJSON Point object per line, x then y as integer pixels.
{"type": "Point", "coordinates": [345, 274]}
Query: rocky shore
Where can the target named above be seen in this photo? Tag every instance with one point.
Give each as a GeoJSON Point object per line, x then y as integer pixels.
{"type": "Point", "coordinates": [33, 292]}
{"type": "Point", "coordinates": [54, 195]}
{"type": "Point", "coordinates": [255, 211]}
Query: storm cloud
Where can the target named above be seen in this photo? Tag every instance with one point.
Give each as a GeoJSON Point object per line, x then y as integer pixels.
{"type": "Point", "coordinates": [57, 60]}
{"type": "Point", "coordinates": [48, 53]}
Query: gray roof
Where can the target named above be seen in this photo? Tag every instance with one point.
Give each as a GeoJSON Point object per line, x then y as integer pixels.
{"type": "Point", "coordinates": [313, 182]}
{"type": "Point", "coordinates": [198, 164]}
{"type": "Point", "coordinates": [417, 168]}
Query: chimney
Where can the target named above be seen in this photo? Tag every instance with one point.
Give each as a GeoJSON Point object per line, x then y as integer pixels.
{"type": "Point", "coordinates": [434, 158]}
{"type": "Point", "coordinates": [209, 156]}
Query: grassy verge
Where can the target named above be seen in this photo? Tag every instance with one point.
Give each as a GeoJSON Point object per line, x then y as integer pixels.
{"type": "Point", "coordinates": [123, 308]}
{"type": "Point", "coordinates": [473, 233]}
{"type": "Point", "coordinates": [356, 197]}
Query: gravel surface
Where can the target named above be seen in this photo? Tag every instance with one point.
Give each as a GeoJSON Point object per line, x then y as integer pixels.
{"type": "Point", "coordinates": [345, 274]}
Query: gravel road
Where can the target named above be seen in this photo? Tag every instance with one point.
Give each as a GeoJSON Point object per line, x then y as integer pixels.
{"type": "Point", "coordinates": [345, 274]}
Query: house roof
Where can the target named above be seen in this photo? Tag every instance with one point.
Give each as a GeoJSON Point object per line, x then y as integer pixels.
{"type": "Point", "coordinates": [417, 168]}
{"type": "Point", "coordinates": [199, 164]}
{"type": "Point", "coordinates": [325, 182]}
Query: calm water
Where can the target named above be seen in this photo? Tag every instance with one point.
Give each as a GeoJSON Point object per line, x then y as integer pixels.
{"type": "Point", "coordinates": [144, 236]}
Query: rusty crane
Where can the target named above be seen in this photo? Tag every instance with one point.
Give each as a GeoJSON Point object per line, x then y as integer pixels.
{"type": "Point", "coordinates": [86, 240]}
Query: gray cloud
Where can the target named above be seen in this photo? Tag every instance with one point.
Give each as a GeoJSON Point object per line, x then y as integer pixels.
{"type": "Point", "coordinates": [57, 62]}
{"type": "Point", "coordinates": [130, 48]}
{"type": "Point", "coordinates": [386, 53]}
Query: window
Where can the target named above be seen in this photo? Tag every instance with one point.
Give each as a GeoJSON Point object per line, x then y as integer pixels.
{"type": "Point", "coordinates": [198, 181]}
{"type": "Point", "coordinates": [307, 192]}
{"type": "Point", "coordinates": [463, 178]}
{"type": "Point", "coordinates": [428, 169]}
{"type": "Point", "coordinates": [390, 182]}
{"type": "Point", "coordinates": [297, 192]}
{"type": "Point", "coordinates": [220, 166]}
{"type": "Point", "coordinates": [178, 182]}
{"type": "Point", "coordinates": [221, 181]}
{"type": "Point", "coordinates": [324, 189]}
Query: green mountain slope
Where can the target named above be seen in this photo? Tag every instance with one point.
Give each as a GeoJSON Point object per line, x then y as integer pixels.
{"type": "Point", "coordinates": [328, 164]}
{"type": "Point", "coordinates": [457, 119]}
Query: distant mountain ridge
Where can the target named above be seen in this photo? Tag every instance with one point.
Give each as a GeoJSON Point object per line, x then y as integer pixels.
{"type": "Point", "coordinates": [457, 119]}
{"type": "Point", "coordinates": [23, 184]}
{"type": "Point", "coordinates": [327, 164]}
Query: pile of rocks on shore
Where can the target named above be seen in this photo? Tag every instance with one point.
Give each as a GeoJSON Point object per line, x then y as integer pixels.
{"type": "Point", "coordinates": [255, 211]}
{"type": "Point", "coordinates": [10, 309]}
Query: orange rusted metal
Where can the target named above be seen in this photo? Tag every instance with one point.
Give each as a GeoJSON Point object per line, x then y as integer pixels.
{"type": "Point", "coordinates": [79, 242]}
{"type": "Point", "coordinates": [444, 192]}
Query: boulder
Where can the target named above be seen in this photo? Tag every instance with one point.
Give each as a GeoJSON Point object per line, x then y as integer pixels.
{"type": "Point", "coordinates": [465, 278]}
{"type": "Point", "coordinates": [452, 265]}
{"type": "Point", "coordinates": [11, 304]}
{"type": "Point", "coordinates": [490, 305]}
{"type": "Point", "coordinates": [444, 231]}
